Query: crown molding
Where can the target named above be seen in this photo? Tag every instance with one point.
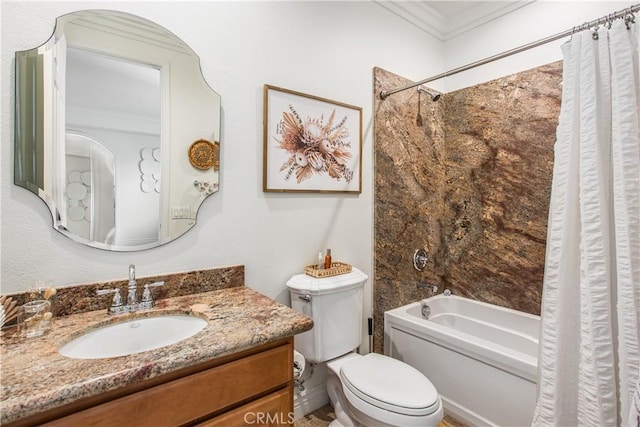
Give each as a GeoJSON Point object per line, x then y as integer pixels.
{"type": "Point", "coordinates": [446, 20]}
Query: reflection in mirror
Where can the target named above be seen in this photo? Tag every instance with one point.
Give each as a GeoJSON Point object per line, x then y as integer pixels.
{"type": "Point", "coordinates": [90, 188]}
{"type": "Point", "coordinates": [97, 138]}
{"type": "Point", "coordinates": [118, 103]}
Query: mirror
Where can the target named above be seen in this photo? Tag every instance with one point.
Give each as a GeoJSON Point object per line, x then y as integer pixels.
{"type": "Point", "coordinates": [116, 130]}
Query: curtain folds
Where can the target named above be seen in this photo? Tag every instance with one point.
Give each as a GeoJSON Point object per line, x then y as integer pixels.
{"type": "Point", "coordinates": [589, 358]}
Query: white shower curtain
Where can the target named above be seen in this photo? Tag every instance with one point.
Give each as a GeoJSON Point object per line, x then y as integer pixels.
{"type": "Point", "coordinates": [589, 345]}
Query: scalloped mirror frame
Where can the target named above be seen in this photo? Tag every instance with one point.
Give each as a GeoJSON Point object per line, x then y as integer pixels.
{"type": "Point", "coordinates": [44, 159]}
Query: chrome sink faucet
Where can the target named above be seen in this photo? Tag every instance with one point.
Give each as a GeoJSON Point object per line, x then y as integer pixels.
{"type": "Point", "coordinates": [132, 289]}
{"type": "Point", "coordinates": [132, 304]}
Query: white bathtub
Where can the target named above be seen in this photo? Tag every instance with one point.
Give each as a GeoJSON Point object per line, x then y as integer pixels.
{"type": "Point", "coordinates": [481, 358]}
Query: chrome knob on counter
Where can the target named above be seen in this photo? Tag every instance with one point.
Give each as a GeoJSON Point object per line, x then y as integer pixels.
{"type": "Point", "coordinates": [147, 299]}
{"type": "Point", "coordinates": [116, 304]}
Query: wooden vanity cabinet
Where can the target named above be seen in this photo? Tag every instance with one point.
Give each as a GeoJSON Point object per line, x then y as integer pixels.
{"type": "Point", "coordinates": [254, 387]}
{"type": "Point", "coordinates": [271, 410]}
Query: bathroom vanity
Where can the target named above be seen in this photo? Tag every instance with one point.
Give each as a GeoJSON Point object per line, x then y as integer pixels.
{"type": "Point", "coordinates": [236, 371]}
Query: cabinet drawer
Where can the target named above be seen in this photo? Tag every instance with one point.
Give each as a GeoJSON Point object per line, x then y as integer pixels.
{"type": "Point", "coordinates": [273, 410]}
{"type": "Point", "coordinates": [198, 395]}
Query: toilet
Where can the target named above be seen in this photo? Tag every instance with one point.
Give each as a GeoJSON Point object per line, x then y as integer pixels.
{"type": "Point", "coordinates": [371, 390]}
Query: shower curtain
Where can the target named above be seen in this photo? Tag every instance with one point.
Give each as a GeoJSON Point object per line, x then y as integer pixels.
{"type": "Point", "coordinates": [589, 358]}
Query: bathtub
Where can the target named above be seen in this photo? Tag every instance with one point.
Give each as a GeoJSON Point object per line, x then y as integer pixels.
{"type": "Point", "coordinates": [481, 358]}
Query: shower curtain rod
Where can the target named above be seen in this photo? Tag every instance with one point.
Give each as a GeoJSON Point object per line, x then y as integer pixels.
{"type": "Point", "coordinates": [384, 94]}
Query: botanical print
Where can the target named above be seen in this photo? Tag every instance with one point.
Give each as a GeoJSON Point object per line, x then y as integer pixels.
{"type": "Point", "coordinates": [314, 146]}
{"type": "Point", "coordinates": [311, 144]}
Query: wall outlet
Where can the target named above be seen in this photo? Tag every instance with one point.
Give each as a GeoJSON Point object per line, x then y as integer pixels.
{"type": "Point", "coordinates": [181, 212]}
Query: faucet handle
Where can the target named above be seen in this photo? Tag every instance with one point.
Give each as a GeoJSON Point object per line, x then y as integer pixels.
{"type": "Point", "coordinates": [147, 299]}
{"type": "Point", "coordinates": [116, 303]}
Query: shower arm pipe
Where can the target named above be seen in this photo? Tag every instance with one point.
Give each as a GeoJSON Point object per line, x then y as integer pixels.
{"type": "Point", "coordinates": [384, 94]}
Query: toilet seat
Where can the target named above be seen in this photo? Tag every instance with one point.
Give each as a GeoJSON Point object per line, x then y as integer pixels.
{"type": "Point", "coordinates": [389, 384]}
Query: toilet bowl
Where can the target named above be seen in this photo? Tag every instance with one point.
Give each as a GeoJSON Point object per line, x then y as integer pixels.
{"type": "Point", "coordinates": [378, 391]}
{"type": "Point", "coordinates": [371, 390]}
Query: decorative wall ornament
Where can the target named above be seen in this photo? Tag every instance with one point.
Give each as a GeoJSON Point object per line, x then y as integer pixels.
{"type": "Point", "coordinates": [205, 187]}
{"type": "Point", "coordinates": [205, 155]}
{"type": "Point", "coordinates": [311, 144]}
{"type": "Point", "coordinates": [149, 170]}
{"type": "Point", "coordinates": [78, 193]}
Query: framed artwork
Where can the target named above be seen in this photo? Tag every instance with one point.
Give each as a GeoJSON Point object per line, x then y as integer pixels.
{"type": "Point", "coordinates": [311, 144]}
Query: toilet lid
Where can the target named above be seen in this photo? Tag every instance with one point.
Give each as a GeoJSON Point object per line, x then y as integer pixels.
{"type": "Point", "coordinates": [390, 384]}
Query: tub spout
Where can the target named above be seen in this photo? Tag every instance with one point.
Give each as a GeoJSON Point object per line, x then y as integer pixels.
{"type": "Point", "coordinates": [432, 288]}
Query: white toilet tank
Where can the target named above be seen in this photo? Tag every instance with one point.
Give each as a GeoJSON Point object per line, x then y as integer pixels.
{"type": "Point", "coordinates": [335, 305]}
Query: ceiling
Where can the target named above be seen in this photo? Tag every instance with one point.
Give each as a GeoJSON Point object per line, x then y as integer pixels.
{"type": "Point", "coordinates": [446, 19]}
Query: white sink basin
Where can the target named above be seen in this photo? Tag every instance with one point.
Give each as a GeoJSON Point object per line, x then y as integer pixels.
{"type": "Point", "coordinates": [133, 336]}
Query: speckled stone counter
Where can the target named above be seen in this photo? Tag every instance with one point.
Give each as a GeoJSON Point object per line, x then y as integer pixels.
{"type": "Point", "coordinates": [35, 377]}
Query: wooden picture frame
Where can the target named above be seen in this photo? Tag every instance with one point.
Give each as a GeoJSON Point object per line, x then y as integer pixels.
{"type": "Point", "coordinates": [311, 144]}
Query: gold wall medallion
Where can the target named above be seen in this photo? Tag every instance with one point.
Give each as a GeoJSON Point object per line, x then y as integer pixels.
{"type": "Point", "coordinates": [204, 154]}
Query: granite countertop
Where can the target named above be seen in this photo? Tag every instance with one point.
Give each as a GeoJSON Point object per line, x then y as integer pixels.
{"type": "Point", "coordinates": [35, 377]}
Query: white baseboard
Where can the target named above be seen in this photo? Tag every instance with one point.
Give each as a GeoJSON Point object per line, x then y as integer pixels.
{"type": "Point", "coordinates": [463, 414]}
{"type": "Point", "coordinates": [307, 401]}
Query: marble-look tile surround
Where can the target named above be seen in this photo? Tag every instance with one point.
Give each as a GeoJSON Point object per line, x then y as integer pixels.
{"type": "Point", "coordinates": [470, 185]}
{"type": "Point", "coordinates": [82, 298]}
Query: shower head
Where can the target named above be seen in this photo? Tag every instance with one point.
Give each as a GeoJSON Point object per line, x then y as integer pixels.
{"type": "Point", "coordinates": [434, 95]}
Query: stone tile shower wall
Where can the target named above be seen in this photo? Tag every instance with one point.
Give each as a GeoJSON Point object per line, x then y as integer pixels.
{"type": "Point", "coordinates": [471, 186]}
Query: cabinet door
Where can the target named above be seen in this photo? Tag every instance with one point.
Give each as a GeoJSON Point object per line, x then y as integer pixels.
{"type": "Point", "coordinates": [273, 410]}
{"type": "Point", "coordinates": [189, 398]}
